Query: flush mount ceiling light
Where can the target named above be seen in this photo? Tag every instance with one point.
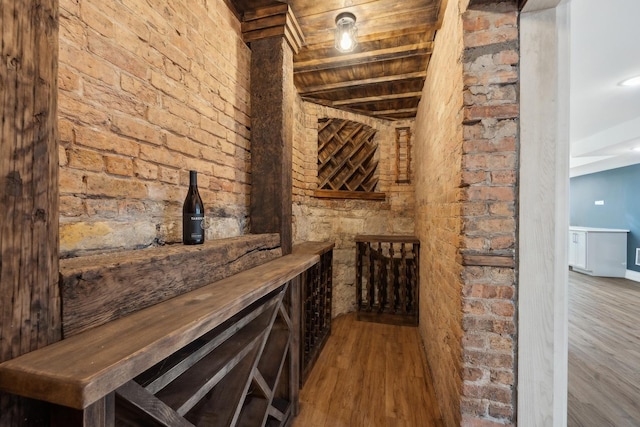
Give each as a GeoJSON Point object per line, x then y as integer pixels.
{"type": "Point", "coordinates": [346, 32]}
{"type": "Point", "coordinates": [633, 81]}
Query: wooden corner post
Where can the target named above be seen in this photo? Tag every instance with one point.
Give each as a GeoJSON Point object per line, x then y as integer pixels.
{"type": "Point", "coordinates": [29, 297]}
{"type": "Point", "coordinates": [274, 36]}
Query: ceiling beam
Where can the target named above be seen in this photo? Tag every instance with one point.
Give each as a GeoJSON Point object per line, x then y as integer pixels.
{"type": "Point", "coordinates": [395, 112]}
{"type": "Point", "coordinates": [378, 98]}
{"type": "Point", "coordinates": [362, 82]}
{"type": "Point", "coordinates": [424, 48]}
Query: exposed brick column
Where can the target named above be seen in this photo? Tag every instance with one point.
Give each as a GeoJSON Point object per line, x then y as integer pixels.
{"type": "Point", "coordinates": [272, 103]}
{"type": "Point", "coordinates": [489, 212]}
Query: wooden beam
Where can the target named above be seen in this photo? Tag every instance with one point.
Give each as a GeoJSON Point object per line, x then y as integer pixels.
{"type": "Point", "coordinates": [395, 112]}
{"type": "Point", "coordinates": [272, 95]}
{"type": "Point", "coordinates": [377, 98]}
{"type": "Point", "coordinates": [424, 48]}
{"type": "Point", "coordinates": [442, 8]}
{"type": "Point", "coordinates": [362, 195]}
{"type": "Point", "coordinates": [488, 260]}
{"type": "Point", "coordinates": [362, 82]}
{"type": "Point", "coordinates": [150, 276]}
{"type": "Point", "coordinates": [29, 297]}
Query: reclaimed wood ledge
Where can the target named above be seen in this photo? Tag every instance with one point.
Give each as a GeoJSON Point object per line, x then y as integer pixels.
{"type": "Point", "coordinates": [96, 289]}
{"type": "Point", "coordinates": [84, 368]}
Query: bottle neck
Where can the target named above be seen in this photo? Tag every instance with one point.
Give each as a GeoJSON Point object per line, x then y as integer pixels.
{"type": "Point", "coordinates": [193, 178]}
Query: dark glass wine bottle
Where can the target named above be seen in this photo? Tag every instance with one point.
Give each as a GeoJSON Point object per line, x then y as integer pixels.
{"type": "Point", "coordinates": [193, 214]}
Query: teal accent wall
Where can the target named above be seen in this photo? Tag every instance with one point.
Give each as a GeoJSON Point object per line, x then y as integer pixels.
{"type": "Point", "coordinates": [620, 190]}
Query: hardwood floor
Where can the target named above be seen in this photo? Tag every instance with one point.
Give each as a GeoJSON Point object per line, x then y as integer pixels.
{"type": "Point", "coordinates": [604, 352]}
{"type": "Point", "coordinates": [371, 375]}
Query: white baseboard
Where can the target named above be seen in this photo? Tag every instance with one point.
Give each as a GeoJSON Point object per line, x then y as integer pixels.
{"type": "Point", "coordinates": [632, 275]}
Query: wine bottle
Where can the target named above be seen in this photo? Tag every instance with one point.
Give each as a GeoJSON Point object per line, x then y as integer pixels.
{"type": "Point", "coordinates": [193, 214]}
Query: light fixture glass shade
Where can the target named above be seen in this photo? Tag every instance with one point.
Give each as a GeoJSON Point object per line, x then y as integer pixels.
{"type": "Point", "coordinates": [346, 32]}
{"type": "Point", "coordinates": [633, 81]}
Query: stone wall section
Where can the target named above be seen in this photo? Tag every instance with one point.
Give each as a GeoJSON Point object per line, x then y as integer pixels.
{"type": "Point", "coordinates": [489, 214]}
{"type": "Point", "coordinates": [466, 134]}
{"type": "Point", "coordinates": [340, 220]}
{"type": "Point", "coordinates": [148, 91]}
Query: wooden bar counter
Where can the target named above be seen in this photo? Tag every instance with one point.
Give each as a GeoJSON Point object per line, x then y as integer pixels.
{"type": "Point", "coordinates": [223, 354]}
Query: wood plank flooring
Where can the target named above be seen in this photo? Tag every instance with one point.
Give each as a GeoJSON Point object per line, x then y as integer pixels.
{"type": "Point", "coordinates": [604, 352]}
{"type": "Point", "coordinates": [372, 375]}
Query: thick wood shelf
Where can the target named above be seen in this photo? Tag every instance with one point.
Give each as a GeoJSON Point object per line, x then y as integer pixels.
{"type": "Point", "coordinates": [341, 194]}
{"type": "Point", "coordinates": [101, 288]}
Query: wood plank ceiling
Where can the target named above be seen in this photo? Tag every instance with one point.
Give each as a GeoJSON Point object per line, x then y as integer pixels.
{"type": "Point", "coordinates": [383, 77]}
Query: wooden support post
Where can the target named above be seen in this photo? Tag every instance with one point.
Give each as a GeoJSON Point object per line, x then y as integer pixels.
{"type": "Point", "coordinates": [29, 302]}
{"type": "Point", "coordinates": [272, 101]}
{"type": "Point", "coordinates": [272, 139]}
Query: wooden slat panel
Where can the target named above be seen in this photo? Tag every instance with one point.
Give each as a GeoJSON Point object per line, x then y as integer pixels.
{"type": "Point", "coordinates": [363, 82]}
{"type": "Point", "coordinates": [355, 72]}
{"type": "Point", "coordinates": [370, 99]}
{"type": "Point", "coordinates": [345, 152]}
{"type": "Point", "coordinates": [422, 49]}
{"type": "Point", "coordinates": [141, 399]}
{"type": "Point", "coordinates": [157, 378]}
{"type": "Point", "coordinates": [395, 40]}
{"type": "Point", "coordinates": [375, 19]}
{"type": "Point", "coordinates": [186, 391]}
{"type": "Point", "coordinates": [375, 96]}
{"type": "Point", "coordinates": [221, 406]}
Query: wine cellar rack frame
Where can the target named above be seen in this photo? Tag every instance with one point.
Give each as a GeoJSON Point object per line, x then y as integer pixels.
{"type": "Point", "coordinates": [316, 299]}
{"type": "Point", "coordinates": [347, 160]}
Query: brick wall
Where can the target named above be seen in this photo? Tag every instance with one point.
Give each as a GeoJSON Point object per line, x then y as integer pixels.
{"type": "Point", "coordinates": [438, 214]}
{"type": "Point", "coordinates": [466, 132]}
{"type": "Point", "coordinates": [340, 220]}
{"type": "Point", "coordinates": [149, 90]}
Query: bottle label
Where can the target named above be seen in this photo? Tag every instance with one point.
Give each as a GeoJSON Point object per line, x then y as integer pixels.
{"type": "Point", "coordinates": [193, 228]}
{"type": "Point", "coordinates": [200, 221]}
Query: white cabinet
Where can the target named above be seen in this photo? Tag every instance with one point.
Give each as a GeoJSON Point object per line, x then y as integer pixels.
{"type": "Point", "coordinates": [578, 249]}
{"type": "Point", "coordinates": [598, 251]}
